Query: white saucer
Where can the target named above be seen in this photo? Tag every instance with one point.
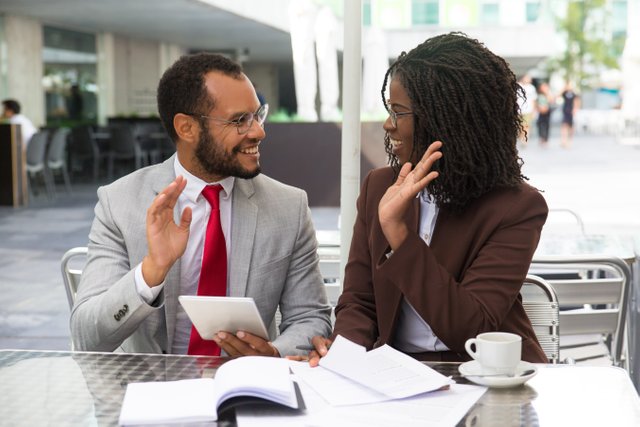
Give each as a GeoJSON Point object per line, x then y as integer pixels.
{"type": "Point", "coordinates": [468, 369]}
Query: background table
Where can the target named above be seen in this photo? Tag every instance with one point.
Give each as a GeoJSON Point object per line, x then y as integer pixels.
{"type": "Point", "coordinates": [606, 245]}
{"type": "Point", "coordinates": [76, 388]}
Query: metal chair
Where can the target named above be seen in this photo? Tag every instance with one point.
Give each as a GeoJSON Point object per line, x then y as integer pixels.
{"type": "Point", "coordinates": [83, 147]}
{"type": "Point", "coordinates": [123, 146]}
{"type": "Point", "coordinates": [541, 304]}
{"type": "Point", "coordinates": [71, 273]}
{"type": "Point", "coordinates": [36, 162]}
{"type": "Point", "coordinates": [57, 157]}
{"type": "Point", "coordinates": [593, 304]}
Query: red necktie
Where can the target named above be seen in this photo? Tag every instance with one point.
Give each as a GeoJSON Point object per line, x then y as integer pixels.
{"type": "Point", "coordinates": [213, 274]}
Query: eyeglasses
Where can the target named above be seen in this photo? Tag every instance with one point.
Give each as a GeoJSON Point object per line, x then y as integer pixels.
{"type": "Point", "coordinates": [394, 116]}
{"type": "Point", "coordinates": [245, 121]}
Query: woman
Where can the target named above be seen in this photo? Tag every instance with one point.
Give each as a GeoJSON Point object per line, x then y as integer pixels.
{"type": "Point", "coordinates": [440, 250]}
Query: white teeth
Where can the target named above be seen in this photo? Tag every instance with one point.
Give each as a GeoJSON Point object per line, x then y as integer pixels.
{"type": "Point", "coordinates": [252, 150]}
{"type": "Point", "coordinates": [395, 142]}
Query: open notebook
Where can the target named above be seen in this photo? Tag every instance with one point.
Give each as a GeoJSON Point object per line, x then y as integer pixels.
{"type": "Point", "coordinates": [250, 379]}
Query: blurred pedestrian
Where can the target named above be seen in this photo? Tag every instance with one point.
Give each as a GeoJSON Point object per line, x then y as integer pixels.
{"type": "Point", "coordinates": [11, 114]}
{"type": "Point", "coordinates": [545, 102]}
{"type": "Point", "coordinates": [75, 105]}
{"type": "Point", "coordinates": [570, 104]}
{"type": "Point", "coordinates": [527, 105]}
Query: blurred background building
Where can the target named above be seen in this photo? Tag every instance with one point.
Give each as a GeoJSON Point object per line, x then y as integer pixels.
{"type": "Point", "coordinates": [72, 60]}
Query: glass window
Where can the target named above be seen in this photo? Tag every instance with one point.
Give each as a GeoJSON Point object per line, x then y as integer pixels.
{"type": "Point", "coordinates": [489, 13]}
{"type": "Point", "coordinates": [619, 16]}
{"type": "Point", "coordinates": [533, 11]}
{"type": "Point", "coordinates": [69, 79]}
{"type": "Point", "coordinates": [366, 13]}
{"type": "Point", "coordinates": [425, 12]}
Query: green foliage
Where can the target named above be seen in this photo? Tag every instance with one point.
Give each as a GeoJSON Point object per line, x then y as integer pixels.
{"type": "Point", "coordinates": [588, 50]}
{"type": "Point", "coordinates": [283, 116]}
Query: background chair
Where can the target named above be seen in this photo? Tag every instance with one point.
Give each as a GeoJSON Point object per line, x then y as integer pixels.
{"type": "Point", "coordinates": [593, 306]}
{"type": "Point", "coordinates": [123, 146]}
{"type": "Point", "coordinates": [57, 157]}
{"type": "Point", "coordinates": [541, 304]}
{"type": "Point", "coordinates": [83, 148]}
{"type": "Point", "coordinates": [36, 162]}
{"type": "Point", "coordinates": [71, 266]}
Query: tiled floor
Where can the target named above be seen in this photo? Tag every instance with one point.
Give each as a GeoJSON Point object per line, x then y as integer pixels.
{"type": "Point", "coordinates": [598, 178]}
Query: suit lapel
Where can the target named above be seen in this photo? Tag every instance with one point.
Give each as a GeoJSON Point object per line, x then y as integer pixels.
{"type": "Point", "coordinates": [243, 231]}
{"type": "Point", "coordinates": [165, 174]}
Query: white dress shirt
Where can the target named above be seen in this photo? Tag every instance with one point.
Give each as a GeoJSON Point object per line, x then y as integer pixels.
{"type": "Point", "coordinates": [413, 333]}
{"type": "Point", "coordinates": [191, 260]}
{"type": "Point", "coordinates": [27, 129]}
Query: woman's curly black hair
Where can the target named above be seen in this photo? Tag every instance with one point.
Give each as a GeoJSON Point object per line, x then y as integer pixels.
{"type": "Point", "coordinates": [465, 96]}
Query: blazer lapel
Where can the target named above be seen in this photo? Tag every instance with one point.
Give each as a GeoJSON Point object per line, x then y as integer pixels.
{"type": "Point", "coordinates": [243, 231]}
{"type": "Point", "coordinates": [165, 175]}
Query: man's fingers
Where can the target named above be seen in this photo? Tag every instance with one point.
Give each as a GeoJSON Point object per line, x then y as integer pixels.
{"type": "Point", "coordinates": [232, 345]}
{"type": "Point", "coordinates": [314, 359]}
{"type": "Point", "coordinates": [321, 345]}
{"type": "Point", "coordinates": [260, 345]}
{"type": "Point", "coordinates": [185, 219]}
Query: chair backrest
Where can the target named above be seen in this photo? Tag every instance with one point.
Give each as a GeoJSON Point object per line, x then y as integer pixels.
{"type": "Point", "coordinates": [541, 304]}
{"type": "Point", "coordinates": [56, 155]}
{"type": "Point", "coordinates": [37, 148]}
{"type": "Point", "coordinates": [122, 141]}
{"type": "Point", "coordinates": [593, 300]}
{"type": "Point", "coordinates": [71, 273]}
{"type": "Point", "coordinates": [329, 263]}
{"type": "Point", "coordinates": [563, 220]}
{"type": "Point", "coordinates": [82, 142]}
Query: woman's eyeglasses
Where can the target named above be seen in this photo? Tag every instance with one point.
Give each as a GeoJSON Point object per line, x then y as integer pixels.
{"type": "Point", "coordinates": [394, 115]}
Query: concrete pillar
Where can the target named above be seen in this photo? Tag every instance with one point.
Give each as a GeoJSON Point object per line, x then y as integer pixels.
{"type": "Point", "coordinates": [21, 65]}
{"type": "Point", "coordinates": [105, 70]}
{"type": "Point", "coordinates": [168, 54]}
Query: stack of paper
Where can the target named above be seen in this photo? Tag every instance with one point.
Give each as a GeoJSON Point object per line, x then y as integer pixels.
{"type": "Point", "coordinates": [349, 375]}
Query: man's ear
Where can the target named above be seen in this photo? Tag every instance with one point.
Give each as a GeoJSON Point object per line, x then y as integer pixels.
{"type": "Point", "coordinates": [186, 127]}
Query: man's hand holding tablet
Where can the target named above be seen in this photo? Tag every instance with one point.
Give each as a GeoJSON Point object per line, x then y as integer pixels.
{"type": "Point", "coordinates": [219, 318]}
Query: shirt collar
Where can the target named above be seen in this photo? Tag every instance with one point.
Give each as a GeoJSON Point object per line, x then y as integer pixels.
{"type": "Point", "coordinates": [195, 185]}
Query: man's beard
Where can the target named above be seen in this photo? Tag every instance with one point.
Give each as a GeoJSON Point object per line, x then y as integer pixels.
{"type": "Point", "coordinates": [216, 161]}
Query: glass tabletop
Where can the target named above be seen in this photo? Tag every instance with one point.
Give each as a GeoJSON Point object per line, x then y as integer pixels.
{"type": "Point", "coordinates": [78, 388]}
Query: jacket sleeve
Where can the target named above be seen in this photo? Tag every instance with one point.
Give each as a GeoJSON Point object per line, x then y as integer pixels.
{"type": "Point", "coordinates": [482, 297]}
{"type": "Point", "coordinates": [303, 304]}
{"type": "Point", "coordinates": [107, 308]}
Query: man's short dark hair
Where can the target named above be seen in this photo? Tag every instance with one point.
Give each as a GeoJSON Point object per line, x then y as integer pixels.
{"type": "Point", "coordinates": [182, 87]}
{"type": "Point", "coordinates": [11, 104]}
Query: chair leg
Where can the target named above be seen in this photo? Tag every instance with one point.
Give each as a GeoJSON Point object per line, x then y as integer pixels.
{"type": "Point", "coordinates": [49, 183]}
{"type": "Point", "coordinates": [67, 181]}
{"type": "Point", "coordinates": [96, 170]}
{"type": "Point", "coordinates": [110, 169]}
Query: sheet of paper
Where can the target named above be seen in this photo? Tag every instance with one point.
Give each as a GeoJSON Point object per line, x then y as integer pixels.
{"type": "Point", "coordinates": [384, 369]}
{"type": "Point", "coordinates": [439, 409]}
{"type": "Point", "coordinates": [334, 388]}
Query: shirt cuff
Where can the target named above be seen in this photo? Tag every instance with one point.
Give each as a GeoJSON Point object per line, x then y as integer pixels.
{"type": "Point", "coordinates": [146, 293]}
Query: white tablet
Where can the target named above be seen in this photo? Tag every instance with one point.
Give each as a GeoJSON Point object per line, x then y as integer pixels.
{"type": "Point", "coordinates": [231, 314]}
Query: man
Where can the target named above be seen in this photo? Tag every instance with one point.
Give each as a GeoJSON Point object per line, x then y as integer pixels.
{"type": "Point", "coordinates": [11, 112]}
{"type": "Point", "coordinates": [138, 264]}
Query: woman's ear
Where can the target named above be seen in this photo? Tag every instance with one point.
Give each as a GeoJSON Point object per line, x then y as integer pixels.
{"type": "Point", "coordinates": [186, 127]}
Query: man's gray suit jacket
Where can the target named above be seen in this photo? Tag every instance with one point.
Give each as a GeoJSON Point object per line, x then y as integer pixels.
{"type": "Point", "coordinates": [273, 259]}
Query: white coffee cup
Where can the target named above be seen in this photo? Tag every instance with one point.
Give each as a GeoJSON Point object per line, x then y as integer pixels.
{"type": "Point", "coordinates": [497, 352]}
